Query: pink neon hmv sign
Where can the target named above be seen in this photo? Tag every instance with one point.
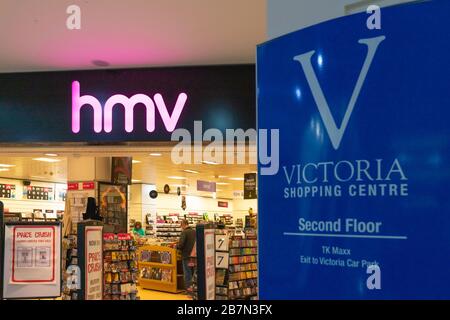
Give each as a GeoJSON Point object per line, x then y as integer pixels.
{"type": "Point", "coordinates": [103, 117]}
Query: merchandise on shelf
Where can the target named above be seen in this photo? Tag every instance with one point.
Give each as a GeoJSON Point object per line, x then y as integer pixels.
{"type": "Point", "coordinates": [243, 251]}
{"type": "Point", "coordinates": [155, 273]}
{"type": "Point", "coordinates": [168, 231]}
{"type": "Point", "coordinates": [227, 219]}
{"type": "Point", "coordinates": [113, 207]}
{"type": "Point", "coordinates": [242, 293]}
{"type": "Point", "coordinates": [221, 276]}
{"type": "Point", "coordinates": [159, 268]}
{"type": "Point", "coordinates": [38, 193]}
{"type": "Point", "coordinates": [239, 223]}
{"type": "Point", "coordinates": [239, 279]}
{"type": "Point", "coordinates": [164, 257]}
{"type": "Point", "coordinates": [7, 191]}
{"type": "Point", "coordinates": [243, 267]}
{"type": "Point", "coordinates": [150, 229]}
{"type": "Point", "coordinates": [120, 267]}
{"type": "Point", "coordinates": [241, 275]}
{"type": "Point", "coordinates": [70, 286]}
{"type": "Point", "coordinates": [243, 243]}
{"type": "Point", "coordinates": [243, 259]}
{"type": "Point", "coordinates": [193, 291]}
{"type": "Point", "coordinates": [193, 218]}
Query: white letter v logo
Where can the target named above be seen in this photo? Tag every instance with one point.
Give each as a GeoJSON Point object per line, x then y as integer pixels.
{"type": "Point", "coordinates": [334, 132]}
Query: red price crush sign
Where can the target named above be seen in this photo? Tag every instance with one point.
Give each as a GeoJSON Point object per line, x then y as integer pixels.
{"type": "Point", "coordinates": [94, 262]}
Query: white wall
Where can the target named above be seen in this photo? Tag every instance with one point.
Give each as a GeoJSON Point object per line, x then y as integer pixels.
{"type": "Point", "coordinates": [285, 16]}
{"type": "Point", "coordinates": [241, 206]}
{"type": "Point", "coordinates": [88, 168]}
{"type": "Point", "coordinates": [140, 203]}
{"type": "Point", "coordinates": [171, 203]}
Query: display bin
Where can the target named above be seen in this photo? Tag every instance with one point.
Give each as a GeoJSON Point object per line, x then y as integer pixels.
{"type": "Point", "coordinates": [159, 269]}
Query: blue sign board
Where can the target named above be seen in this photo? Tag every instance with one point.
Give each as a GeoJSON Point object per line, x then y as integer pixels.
{"type": "Point", "coordinates": [359, 207]}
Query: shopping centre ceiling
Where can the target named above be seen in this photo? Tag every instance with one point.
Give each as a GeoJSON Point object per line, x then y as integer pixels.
{"type": "Point", "coordinates": [131, 33]}
{"type": "Point", "coordinates": [152, 166]}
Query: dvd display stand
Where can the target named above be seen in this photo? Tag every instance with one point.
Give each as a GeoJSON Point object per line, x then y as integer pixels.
{"type": "Point", "coordinates": [113, 207]}
{"type": "Point", "coordinates": [71, 270]}
{"type": "Point", "coordinates": [120, 267]}
{"type": "Point", "coordinates": [236, 279]}
{"type": "Point", "coordinates": [159, 269]}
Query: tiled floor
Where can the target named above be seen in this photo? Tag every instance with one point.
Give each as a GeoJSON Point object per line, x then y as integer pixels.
{"type": "Point", "coordinates": [159, 295]}
{"type": "Point", "coordinates": [145, 294]}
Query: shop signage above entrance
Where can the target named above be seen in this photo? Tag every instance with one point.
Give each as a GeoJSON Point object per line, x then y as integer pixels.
{"type": "Point", "coordinates": [106, 115]}
{"type": "Point", "coordinates": [130, 105]}
{"type": "Point", "coordinates": [222, 204]}
{"type": "Point", "coordinates": [89, 185]}
{"type": "Point", "coordinates": [73, 186]}
{"type": "Point", "coordinates": [359, 207]}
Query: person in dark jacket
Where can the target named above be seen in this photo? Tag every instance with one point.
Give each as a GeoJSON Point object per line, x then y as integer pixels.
{"type": "Point", "coordinates": [185, 245]}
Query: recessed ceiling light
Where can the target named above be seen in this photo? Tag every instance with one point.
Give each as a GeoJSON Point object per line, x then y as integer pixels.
{"type": "Point", "coordinates": [209, 162]}
{"type": "Point", "coordinates": [4, 169]}
{"type": "Point", "coordinates": [222, 183]}
{"type": "Point", "coordinates": [51, 155]}
{"type": "Point", "coordinates": [6, 165]}
{"type": "Point", "coordinates": [135, 181]}
{"type": "Point", "coordinates": [219, 177]}
{"type": "Point", "coordinates": [136, 161]}
{"type": "Point", "coordinates": [177, 178]}
{"type": "Point", "coordinates": [237, 179]}
{"type": "Point", "coordinates": [155, 154]}
{"type": "Point", "coordinates": [190, 171]}
{"type": "Point", "coordinates": [46, 159]}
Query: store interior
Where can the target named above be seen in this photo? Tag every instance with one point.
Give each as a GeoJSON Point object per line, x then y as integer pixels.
{"type": "Point", "coordinates": [44, 184]}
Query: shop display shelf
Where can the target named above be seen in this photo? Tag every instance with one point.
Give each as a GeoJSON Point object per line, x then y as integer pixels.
{"type": "Point", "coordinates": [243, 287]}
{"type": "Point", "coordinates": [243, 279]}
{"type": "Point", "coordinates": [244, 297]}
{"type": "Point", "coordinates": [156, 264]}
{"type": "Point", "coordinates": [251, 270]}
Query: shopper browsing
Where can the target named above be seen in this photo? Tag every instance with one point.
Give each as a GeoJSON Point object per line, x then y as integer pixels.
{"type": "Point", "coordinates": [137, 230]}
{"type": "Point", "coordinates": [185, 245]}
